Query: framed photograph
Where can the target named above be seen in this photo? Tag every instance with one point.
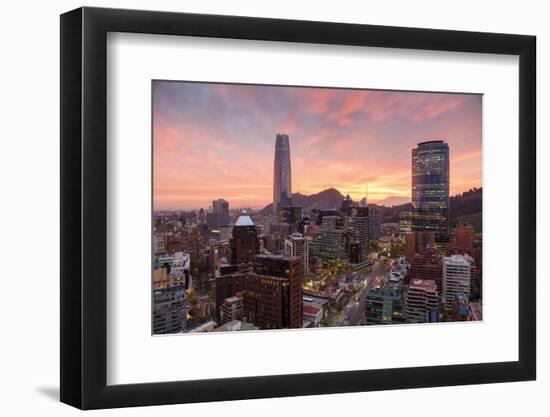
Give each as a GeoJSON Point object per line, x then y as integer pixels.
{"type": "Point", "coordinates": [256, 208]}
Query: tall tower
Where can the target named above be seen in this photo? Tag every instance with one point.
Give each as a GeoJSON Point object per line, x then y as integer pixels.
{"type": "Point", "coordinates": [430, 189]}
{"type": "Point", "coordinates": [357, 228]}
{"type": "Point", "coordinates": [282, 179]}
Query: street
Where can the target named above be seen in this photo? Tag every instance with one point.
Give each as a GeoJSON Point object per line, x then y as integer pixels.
{"type": "Point", "coordinates": [375, 278]}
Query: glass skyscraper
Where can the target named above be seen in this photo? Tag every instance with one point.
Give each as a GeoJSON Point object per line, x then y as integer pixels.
{"type": "Point", "coordinates": [430, 189]}
{"type": "Point", "coordinates": [282, 179]}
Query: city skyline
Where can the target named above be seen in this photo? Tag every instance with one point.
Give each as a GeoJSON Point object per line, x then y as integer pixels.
{"type": "Point", "coordinates": [328, 263]}
{"type": "Point", "coordinates": [209, 141]}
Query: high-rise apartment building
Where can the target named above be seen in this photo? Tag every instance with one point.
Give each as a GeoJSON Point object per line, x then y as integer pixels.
{"type": "Point", "coordinates": [374, 223]}
{"type": "Point", "coordinates": [219, 216]}
{"type": "Point", "coordinates": [169, 302]}
{"type": "Point", "coordinates": [430, 189]}
{"type": "Point", "coordinates": [357, 231]}
{"type": "Point", "coordinates": [282, 178]}
{"type": "Point", "coordinates": [456, 279]}
{"type": "Point", "coordinates": [421, 302]}
{"type": "Point", "coordinates": [298, 245]}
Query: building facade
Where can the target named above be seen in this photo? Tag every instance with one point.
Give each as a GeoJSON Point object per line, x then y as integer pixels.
{"type": "Point", "coordinates": [244, 244]}
{"type": "Point", "coordinates": [374, 223]}
{"type": "Point", "coordinates": [456, 279]}
{"type": "Point", "coordinates": [461, 308]}
{"type": "Point", "coordinates": [430, 189]}
{"type": "Point", "coordinates": [357, 232]}
{"type": "Point", "coordinates": [418, 243]}
{"type": "Point", "coordinates": [219, 216]}
{"type": "Point", "coordinates": [169, 303]}
{"type": "Point", "coordinates": [384, 306]}
{"type": "Point", "coordinates": [228, 286]}
{"type": "Point", "coordinates": [232, 308]}
{"type": "Point", "coordinates": [273, 298]}
{"type": "Point", "coordinates": [427, 266]}
{"type": "Point", "coordinates": [327, 243]}
{"type": "Point", "coordinates": [405, 222]}
{"type": "Point", "coordinates": [462, 240]}
{"type": "Point", "coordinates": [298, 245]}
{"type": "Point", "coordinates": [291, 215]}
{"type": "Point", "coordinates": [422, 302]}
{"type": "Point", "coordinates": [272, 292]}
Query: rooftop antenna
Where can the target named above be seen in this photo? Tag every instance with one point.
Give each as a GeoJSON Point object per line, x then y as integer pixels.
{"type": "Point", "coordinates": [366, 195]}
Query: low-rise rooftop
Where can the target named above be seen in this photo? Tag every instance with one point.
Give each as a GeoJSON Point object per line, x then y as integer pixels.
{"type": "Point", "coordinates": [424, 284]}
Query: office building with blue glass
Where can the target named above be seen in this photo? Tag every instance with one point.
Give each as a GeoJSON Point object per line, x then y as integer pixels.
{"type": "Point", "coordinates": [430, 189]}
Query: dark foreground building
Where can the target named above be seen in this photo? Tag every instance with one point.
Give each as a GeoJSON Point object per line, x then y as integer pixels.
{"type": "Point", "coordinates": [272, 292]}
{"type": "Point", "coordinates": [244, 244]}
{"type": "Point", "coordinates": [228, 286]}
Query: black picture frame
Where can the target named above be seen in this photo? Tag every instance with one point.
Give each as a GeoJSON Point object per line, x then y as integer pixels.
{"type": "Point", "coordinates": [84, 207]}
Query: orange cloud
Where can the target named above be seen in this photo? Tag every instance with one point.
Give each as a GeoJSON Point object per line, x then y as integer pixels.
{"type": "Point", "coordinates": [217, 141]}
{"type": "Point", "coordinates": [318, 99]}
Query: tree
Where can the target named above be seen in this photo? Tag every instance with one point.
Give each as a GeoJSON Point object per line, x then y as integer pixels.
{"type": "Point", "coordinates": [192, 298]}
{"type": "Point", "coordinates": [396, 249]}
{"type": "Point", "coordinates": [199, 271]}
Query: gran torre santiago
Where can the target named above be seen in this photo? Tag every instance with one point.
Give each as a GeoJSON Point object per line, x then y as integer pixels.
{"type": "Point", "coordinates": [282, 178]}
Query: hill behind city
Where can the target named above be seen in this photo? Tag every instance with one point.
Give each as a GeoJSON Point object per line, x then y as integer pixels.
{"type": "Point", "coordinates": [463, 207]}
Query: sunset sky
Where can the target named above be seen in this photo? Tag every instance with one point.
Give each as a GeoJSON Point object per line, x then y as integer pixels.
{"type": "Point", "coordinates": [217, 141]}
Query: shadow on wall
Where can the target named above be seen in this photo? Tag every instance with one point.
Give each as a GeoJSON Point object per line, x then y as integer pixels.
{"type": "Point", "coordinates": [49, 392]}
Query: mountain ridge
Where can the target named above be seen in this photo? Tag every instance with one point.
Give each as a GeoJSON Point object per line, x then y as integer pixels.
{"type": "Point", "coordinates": [326, 199]}
{"type": "Point", "coordinates": [393, 201]}
{"type": "Point", "coordinates": [461, 205]}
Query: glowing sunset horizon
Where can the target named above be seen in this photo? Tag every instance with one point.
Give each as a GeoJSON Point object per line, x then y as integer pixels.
{"type": "Point", "coordinates": [215, 140]}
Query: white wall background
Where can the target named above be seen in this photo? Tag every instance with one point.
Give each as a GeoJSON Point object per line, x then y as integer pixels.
{"type": "Point", "coordinates": [29, 218]}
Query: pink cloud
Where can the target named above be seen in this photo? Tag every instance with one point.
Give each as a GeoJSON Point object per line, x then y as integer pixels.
{"type": "Point", "coordinates": [339, 138]}
{"type": "Point", "coordinates": [317, 99]}
{"type": "Point", "coordinates": [354, 101]}
{"type": "Point", "coordinates": [436, 106]}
